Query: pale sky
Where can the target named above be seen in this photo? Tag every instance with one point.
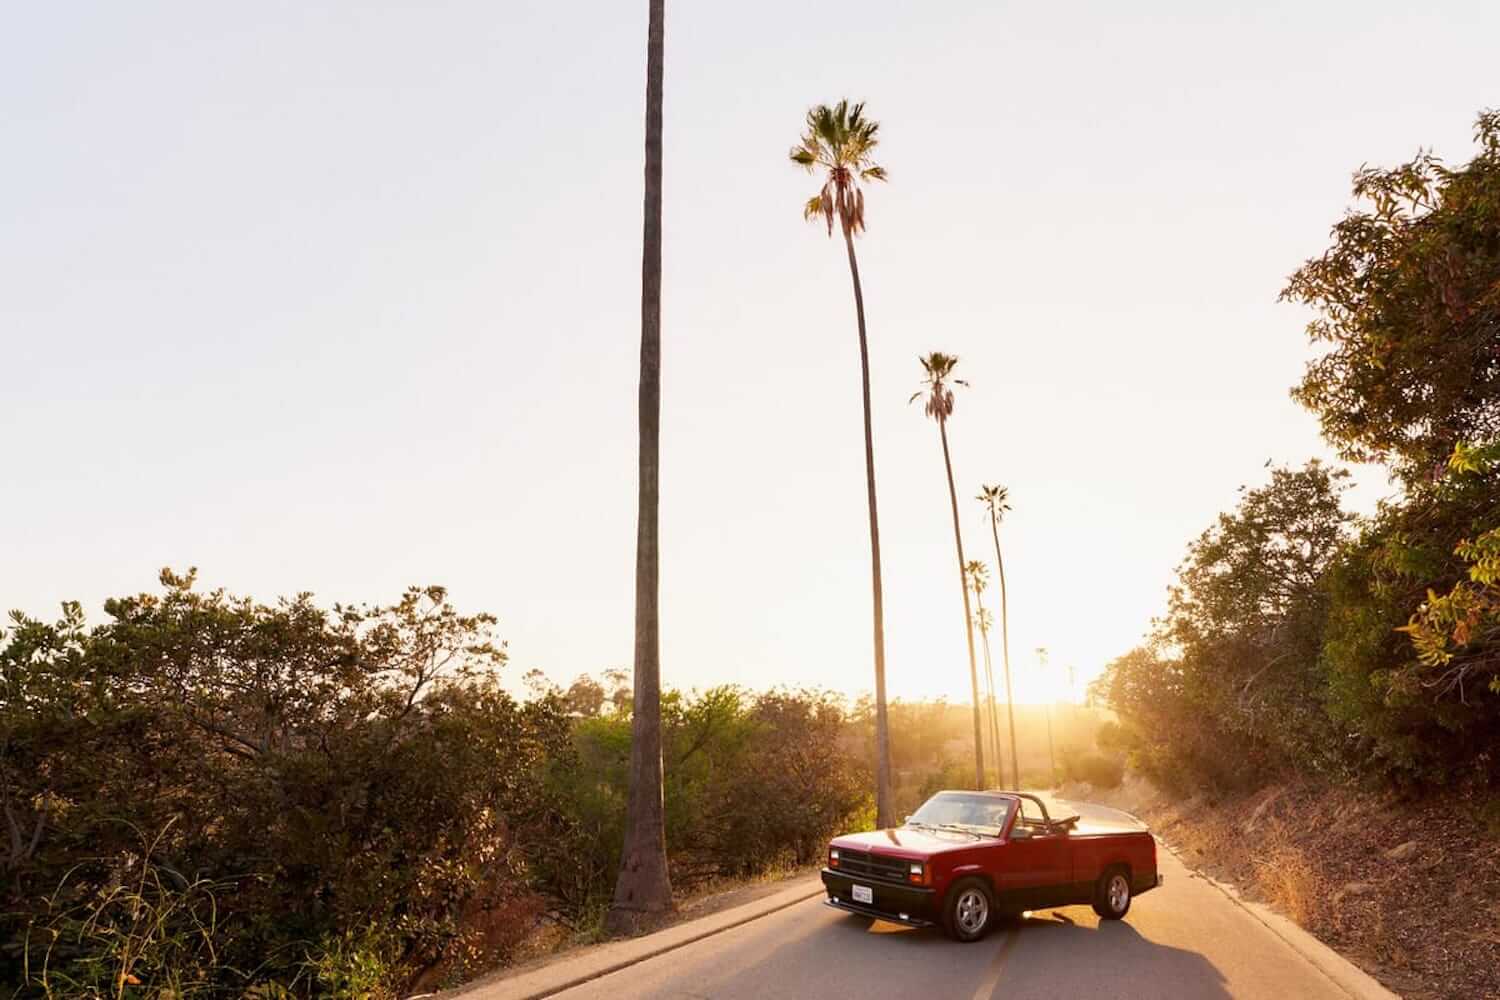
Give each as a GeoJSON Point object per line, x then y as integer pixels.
{"type": "Point", "coordinates": [345, 297]}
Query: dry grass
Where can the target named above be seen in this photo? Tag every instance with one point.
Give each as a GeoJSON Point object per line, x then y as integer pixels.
{"type": "Point", "coordinates": [1287, 877]}
{"type": "Point", "coordinates": [1423, 924]}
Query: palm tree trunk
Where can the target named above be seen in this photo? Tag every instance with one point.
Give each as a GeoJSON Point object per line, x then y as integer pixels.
{"type": "Point", "coordinates": [993, 729]}
{"type": "Point", "coordinates": [1010, 705]}
{"type": "Point", "coordinates": [963, 583]}
{"type": "Point", "coordinates": [883, 804]}
{"type": "Point", "coordinates": [644, 886]}
{"type": "Point", "coordinates": [989, 695]}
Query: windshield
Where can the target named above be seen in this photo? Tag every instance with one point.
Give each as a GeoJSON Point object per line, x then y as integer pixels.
{"type": "Point", "coordinates": [963, 809]}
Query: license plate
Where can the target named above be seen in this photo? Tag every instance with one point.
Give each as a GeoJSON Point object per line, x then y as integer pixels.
{"type": "Point", "coordinates": [862, 893]}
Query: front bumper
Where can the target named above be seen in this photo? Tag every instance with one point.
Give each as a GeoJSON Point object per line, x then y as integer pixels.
{"type": "Point", "coordinates": [913, 905]}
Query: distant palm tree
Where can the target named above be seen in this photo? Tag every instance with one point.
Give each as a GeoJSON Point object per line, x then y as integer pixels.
{"type": "Point", "coordinates": [979, 575]}
{"type": "Point", "coordinates": [997, 500]}
{"type": "Point", "coordinates": [839, 141]}
{"type": "Point", "coordinates": [1041, 659]}
{"type": "Point", "coordinates": [643, 886]}
{"type": "Point", "coordinates": [936, 387]}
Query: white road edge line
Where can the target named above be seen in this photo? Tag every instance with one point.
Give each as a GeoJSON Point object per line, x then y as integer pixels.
{"type": "Point", "coordinates": [1343, 973]}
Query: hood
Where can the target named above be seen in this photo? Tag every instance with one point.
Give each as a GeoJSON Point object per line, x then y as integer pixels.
{"type": "Point", "coordinates": [909, 842]}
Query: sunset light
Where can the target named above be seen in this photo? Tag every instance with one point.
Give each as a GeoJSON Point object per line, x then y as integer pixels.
{"type": "Point", "coordinates": [657, 499]}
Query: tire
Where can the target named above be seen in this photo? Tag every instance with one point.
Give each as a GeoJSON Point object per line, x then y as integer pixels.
{"type": "Point", "coordinates": [1112, 893]}
{"type": "Point", "coordinates": [969, 910]}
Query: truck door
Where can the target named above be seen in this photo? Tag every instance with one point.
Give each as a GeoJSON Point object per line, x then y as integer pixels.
{"type": "Point", "coordinates": [1038, 869]}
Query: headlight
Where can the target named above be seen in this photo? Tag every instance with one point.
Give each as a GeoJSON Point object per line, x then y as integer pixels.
{"type": "Point", "coordinates": [918, 874]}
{"type": "Point", "coordinates": [833, 857]}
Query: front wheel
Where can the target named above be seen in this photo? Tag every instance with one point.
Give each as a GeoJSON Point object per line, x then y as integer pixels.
{"type": "Point", "coordinates": [1112, 894]}
{"type": "Point", "coordinates": [969, 910]}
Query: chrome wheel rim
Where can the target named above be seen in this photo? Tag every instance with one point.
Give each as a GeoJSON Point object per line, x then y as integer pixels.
{"type": "Point", "coordinates": [1119, 893]}
{"type": "Point", "coordinates": [973, 910]}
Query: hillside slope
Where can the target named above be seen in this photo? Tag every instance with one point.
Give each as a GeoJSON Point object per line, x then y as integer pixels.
{"type": "Point", "coordinates": [1408, 890]}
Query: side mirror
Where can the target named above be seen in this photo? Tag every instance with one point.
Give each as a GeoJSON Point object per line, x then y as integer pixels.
{"type": "Point", "coordinates": [1020, 833]}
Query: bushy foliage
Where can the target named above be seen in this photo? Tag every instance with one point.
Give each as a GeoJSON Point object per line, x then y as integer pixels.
{"type": "Point", "coordinates": [1373, 658]}
{"type": "Point", "coordinates": [754, 781]}
{"type": "Point", "coordinates": [1408, 303]}
{"type": "Point", "coordinates": [1292, 643]}
{"type": "Point", "coordinates": [321, 770]}
{"type": "Point", "coordinates": [1457, 634]}
{"type": "Point", "coordinates": [1101, 770]}
{"type": "Point", "coordinates": [1404, 710]}
{"type": "Point", "coordinates": [1233, 664]}
{"type": "Point", "coordinates": [213, 796]}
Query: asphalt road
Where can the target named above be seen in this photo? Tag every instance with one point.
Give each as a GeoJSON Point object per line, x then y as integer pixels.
{"type": "Point", "coordinates": [1183, 940]}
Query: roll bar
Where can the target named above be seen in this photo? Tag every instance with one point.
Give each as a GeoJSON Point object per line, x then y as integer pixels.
{"type": "Point", "coordinates": [1067, 822]}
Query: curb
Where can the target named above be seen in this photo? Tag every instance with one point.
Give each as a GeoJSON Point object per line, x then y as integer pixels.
{"type": "Point", "coordinates": [616, 955]}
{"type": "Point", "coordinates": [1345, 974]}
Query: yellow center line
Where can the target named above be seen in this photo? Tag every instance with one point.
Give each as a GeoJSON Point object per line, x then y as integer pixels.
{"type": "Point", "coordinates": [992, 976]}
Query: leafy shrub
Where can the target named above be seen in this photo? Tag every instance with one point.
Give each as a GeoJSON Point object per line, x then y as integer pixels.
{"type": "Point", "coordinates": [127, 925]}
{"type": "Point", "coordinates": [212, 796]}
{"type": "Point", "coordinates": [343, 769]}
{"type": "Point", "coordinates": [1097, 769]}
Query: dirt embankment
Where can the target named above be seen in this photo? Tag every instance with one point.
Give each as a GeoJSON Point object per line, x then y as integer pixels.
{"type": "Point", "coordinates": [1410, 891]}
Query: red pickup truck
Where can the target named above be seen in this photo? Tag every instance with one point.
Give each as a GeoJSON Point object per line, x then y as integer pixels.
{"type": "Point", "coordinates": [965, 859]}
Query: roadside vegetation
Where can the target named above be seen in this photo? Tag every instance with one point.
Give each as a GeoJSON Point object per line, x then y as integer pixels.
{"type": "Point", "coordinates": [210, 795]}
{"type": "Point", "coordinates": [213, 796]}
{"type": "Point", "coordinates": [1320, 701]}
{"type": "Point", "coordinates": [1300, 640]}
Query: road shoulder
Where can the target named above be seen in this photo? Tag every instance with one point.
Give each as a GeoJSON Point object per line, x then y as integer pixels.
{"type": "Point", "coordinates": [1345, 974]}
{"type": "Point", "coordinates": [585, 964]}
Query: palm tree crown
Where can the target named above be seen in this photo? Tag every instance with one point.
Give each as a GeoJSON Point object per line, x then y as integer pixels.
{"type": "Point", "coordinates": [937, 386]}
{"type": "Point", "coordinates": [997, 499]}
{"type": "Point", "coordinates": [839, 140]}
{"type": "Point", "coordinates": [979, 575]}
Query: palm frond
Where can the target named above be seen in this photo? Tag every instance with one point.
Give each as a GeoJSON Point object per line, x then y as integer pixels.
{"type": "Point", "coordinates": [996, 499]}
{"type": "Point", "coordinates": [839, 138]}
{"type": "Point", "coordinates": [938, 367]}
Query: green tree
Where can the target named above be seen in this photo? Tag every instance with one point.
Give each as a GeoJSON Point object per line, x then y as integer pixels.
{"type": "Point", "coordinates": [317, 771]}
{"type": "Point", "coordinates": [839, 142]}
{"type": "Point", "coordinates": [1236, 658]}
{"type": "Point", "coordinates": [644, 886]}
{"type": "Point", "coordinates": [585, 696]}
{"type": "Point", "coordinates": [1408, 304]}
{"type": "Point", "coordinates": [1409, 645]}
{"type": "Point", "coordinates": [996, 500]}
{"type": "Point", "coordinates": [938, 392]}
{"type": "Point", "coordinates": [1457, 634]}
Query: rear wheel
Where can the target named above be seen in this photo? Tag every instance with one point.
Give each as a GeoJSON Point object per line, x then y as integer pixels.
{"type": "Point", "coordinates": [969, 910]}
{"type": "Point", "coordinates": [1112, 893]}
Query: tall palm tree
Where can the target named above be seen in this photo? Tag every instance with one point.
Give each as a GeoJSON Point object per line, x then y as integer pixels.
{"type": "Point", "coordinates": [997, 500]}
{"type": "Point", "coordinates": [643, 886]}
{"type": "Point", "coordinates": [937, 388]}
{"type": "Point", "coordinates": [979, 579]}
{"type": "Point", "coordinates": [838, 142]}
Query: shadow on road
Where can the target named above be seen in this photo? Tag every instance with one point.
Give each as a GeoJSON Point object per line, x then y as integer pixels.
{"type": "Point", "coordinates": [1057, 954]}
{"type": "Point", "coordinates": [1065, 953]}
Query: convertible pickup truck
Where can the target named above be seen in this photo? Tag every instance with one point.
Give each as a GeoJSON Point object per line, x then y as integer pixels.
{"type": "Point", "coordinates": [965, 859]}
